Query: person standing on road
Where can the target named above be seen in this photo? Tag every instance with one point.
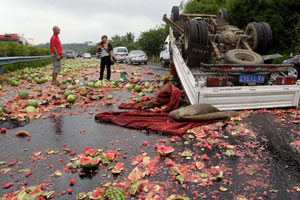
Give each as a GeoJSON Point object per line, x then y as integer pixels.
{"type": "Point", "coordinates": [105, 49]}
{"type": "Point", "coordinates": [56, 50]}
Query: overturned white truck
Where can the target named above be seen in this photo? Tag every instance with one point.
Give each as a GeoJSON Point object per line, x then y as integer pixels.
{"type": "Point", "coordinates": [227, 67]}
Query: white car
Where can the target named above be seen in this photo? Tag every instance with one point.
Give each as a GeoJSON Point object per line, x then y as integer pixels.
{"type": "Point", "coordinates": [120, 53]}
{"type": "Point", "coordinates": [87, 56]}
{"type": "Point", "coordinates": [137, 56]}
{"type": "Point", "coordinates": [165, 53]}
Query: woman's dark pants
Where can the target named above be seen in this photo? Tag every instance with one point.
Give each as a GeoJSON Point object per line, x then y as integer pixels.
{"type": "Point", "coordinates": [105, 61]}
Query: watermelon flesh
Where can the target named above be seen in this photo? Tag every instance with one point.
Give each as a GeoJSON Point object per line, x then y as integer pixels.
{"type": "Point", "coordinates": [88, 162]}
{"type": "Point", "coordinates": [118, 168]}
{"type": "Point", "coordinates": [23, 134]}
{"type": "Point", "coordinates": [164, 150]}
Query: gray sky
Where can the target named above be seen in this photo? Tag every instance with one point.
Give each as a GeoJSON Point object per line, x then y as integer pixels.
{"type": "Point", "coordinates": [81, 20]}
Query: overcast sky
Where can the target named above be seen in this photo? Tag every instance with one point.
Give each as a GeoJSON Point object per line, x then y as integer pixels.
{"type": "Point", "coordinates": [81, 20]}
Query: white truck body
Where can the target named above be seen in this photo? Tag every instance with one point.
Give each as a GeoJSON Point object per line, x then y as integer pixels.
{"type": "Point", "coordinates": [236, 97]}
{"type": "Point", "coordinates": [165, 53]}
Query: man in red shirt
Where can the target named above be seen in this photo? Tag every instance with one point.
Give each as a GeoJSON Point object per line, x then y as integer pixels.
{"type": "Point", "coordinates": [56, 50]}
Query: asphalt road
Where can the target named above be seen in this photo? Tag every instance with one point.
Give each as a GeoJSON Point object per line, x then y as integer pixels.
{"type": "Point", "coordinates": [75, 132]}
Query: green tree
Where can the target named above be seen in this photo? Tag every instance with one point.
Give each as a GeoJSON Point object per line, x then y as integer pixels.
{"type": "Point", "coordinates": [152, 40]}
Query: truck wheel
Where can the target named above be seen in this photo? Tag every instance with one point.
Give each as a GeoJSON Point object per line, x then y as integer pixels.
{"type": "Point", "coordinates": [256, 37]}
{"type": "Point", "coordinates": [243, 56]}
{"type": "Point", "coordinates": [175, 13]}
{"type": "Point", "coordinates": [203, 33]}
{"type": "Point", "coordinates": [223, 14]}
{"type": "Point", "coordinates": [190, 33]}
{"type": "Point", "coordinates": [295, 72]}
{"type": "Point", "coordinates": [268, 33]}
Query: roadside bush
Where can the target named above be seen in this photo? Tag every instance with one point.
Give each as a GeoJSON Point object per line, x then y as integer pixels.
{"type": "Point", "coordinates": [8, 49]}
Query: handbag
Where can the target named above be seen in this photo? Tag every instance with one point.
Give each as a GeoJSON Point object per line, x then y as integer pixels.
{"type": "Point", "coordinates": [114, 59]}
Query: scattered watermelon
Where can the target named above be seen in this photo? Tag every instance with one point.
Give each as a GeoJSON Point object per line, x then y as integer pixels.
{"type": "Point", "coordinates": [161, 85]}
{"type": "Point", "coordinates": [164, 150]}
{"type": "Point", "coordinates": [138, 88]}
{"type": "Point", "coordinates": [83, 92]}
{"type": "Point", "coordinates": [93, 97]}
{"type": "Point", "coordinates": [70, 87]}
{"type": "Point", "coordinates": [23, 134]}
{"type": "Point", "coordinates": [14, 83]}
{"type": "Point", "coordinates": [129, 86]}
{"type": "Point", "coordinates": [32, 102]}
{"type": "Point", "coordinates": [88, 162]}
{"type": "Point", "coordinates": [91, 84]}
{"type": "Point", "coordinates": [118, 168]}
{"type": "Point", "coordinates": [67, 93]}
{"type": "Point", "coordinates": [109, 97]}
{"type": "Point", "coordinates": [150, 89]}
{"type": "Point", "coordinates": [23, 94]}
{"type": "Point", "coordinates": [98, 84]}
{"type": "Point", "coordinates": [62, 87]}
{"type": "Point", "coordinates": [30, 109]}
{"type": "Point", "coordinates": [71, 98]}
{"type": "Point", "coordinates": [1, 111]}
{"type": "Point", "coordinates": [81, 196]}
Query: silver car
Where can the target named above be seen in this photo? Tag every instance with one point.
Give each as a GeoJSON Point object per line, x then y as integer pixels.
{"type": "Point", "coordinates": [137, 56]}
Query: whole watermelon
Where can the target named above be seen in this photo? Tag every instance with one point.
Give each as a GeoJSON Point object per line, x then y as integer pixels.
{"type": "Point", "coordinates": [91, 84]}
{"type": "Point", "coordinates": [23, 94]}
{"type": "Point", "coordinates": [67, 93]}
{"type": "Point", "coordinates": [70, 87]}
{"type": "Point", "coordinates": [14, 83]}
{"type": "Point", "coordinates": [30, 109]}
{"type": "Point", "coordinates": [32, 102]}
{"type": "Point", "coordinates": [71, 98]}
{"type": "Point", "coordinates": [138, 88]}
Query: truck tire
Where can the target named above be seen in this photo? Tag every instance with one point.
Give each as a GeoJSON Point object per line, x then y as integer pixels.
{"type": "Point", "coordinates": [256, 37]}
{"type": "Point", "coordinates": [175, 13]}
{"type": "Point", "coordinates": [202, 33]}
{"type": "Point", "coordinates": [243, 56]}
{"type": "Point", "coordinates": [223, 14]}
{"type": "Point", "coordinates": [268, 33]}
{"type": "Point", "coordinates": [190, 33]}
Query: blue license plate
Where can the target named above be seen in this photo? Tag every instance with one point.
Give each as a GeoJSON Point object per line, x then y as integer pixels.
{"type": "Point", "coordinates": [252, 78]}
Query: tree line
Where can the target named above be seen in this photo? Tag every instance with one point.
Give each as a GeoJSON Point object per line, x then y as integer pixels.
{"type": "Point", "coordinates": [149, 41]}
{"type": "Point", "coordinates": [282, 15]}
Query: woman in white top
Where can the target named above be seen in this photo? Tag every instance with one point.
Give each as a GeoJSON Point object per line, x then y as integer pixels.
{"type": "Point", "coordinates": [105, 49]}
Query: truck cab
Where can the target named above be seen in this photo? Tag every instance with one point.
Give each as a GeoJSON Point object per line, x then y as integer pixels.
{"type": "Point", "coordinates": [165, 53]}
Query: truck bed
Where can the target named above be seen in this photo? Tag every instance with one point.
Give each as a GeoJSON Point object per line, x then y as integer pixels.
{"type": "Point", "coordinates": [232, 98]}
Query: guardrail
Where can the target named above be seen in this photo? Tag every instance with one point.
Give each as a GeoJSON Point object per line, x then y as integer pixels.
{"type": "Point", "coordinates": [14, 60]}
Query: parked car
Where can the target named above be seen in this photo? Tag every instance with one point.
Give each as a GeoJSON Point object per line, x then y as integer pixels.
{"type": "Point", "coordinates": [120, 53]}
{"type": "Point", "coordinates": [70, 54]}
{"type": "Point", "coordinates": [137, 56]}
{"type": "Point", "coordinates": [165, 53]}
{"type": "Point", "coordinates": [79, 54]}
{"type": "Point", "coordinates": [296, 66]}
{"type": "Point", "coordinates": [87, 56]}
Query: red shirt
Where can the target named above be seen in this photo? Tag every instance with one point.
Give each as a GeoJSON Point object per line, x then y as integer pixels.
{"type": "Point", "coordinates": [55, 42]}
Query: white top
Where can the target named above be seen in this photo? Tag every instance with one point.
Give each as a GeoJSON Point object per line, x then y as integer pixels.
{"type": "Point", "coordinates": [104, 51]}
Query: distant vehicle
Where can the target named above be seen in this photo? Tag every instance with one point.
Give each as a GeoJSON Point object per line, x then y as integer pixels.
{"type": "Point", "coordinates": [87, 56]}
{"type": "Point", "coordinates": [120, 53]}
{"type": "Point", "coordinates": [79, 54]}
{"type": "Point", "coordinates": [70, 54]}
{"type": "Point", "coordinates": [137, 56]}
{"type": "Point", "coordinates": [165, 53]}
{"type": "Point", "coordinates": [295, 61]}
